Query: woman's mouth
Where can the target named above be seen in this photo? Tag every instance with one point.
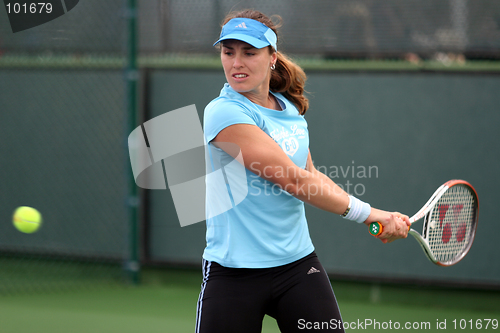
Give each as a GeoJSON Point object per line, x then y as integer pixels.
{"type": "Point", "coordinates": [240, 76]}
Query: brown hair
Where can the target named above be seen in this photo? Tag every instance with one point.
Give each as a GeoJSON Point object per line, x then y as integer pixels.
{"type": "Point", "coordinates": [287, 78]}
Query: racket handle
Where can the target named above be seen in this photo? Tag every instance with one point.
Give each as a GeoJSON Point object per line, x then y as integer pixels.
{"type": "Point", "coordinates": [376, 228]}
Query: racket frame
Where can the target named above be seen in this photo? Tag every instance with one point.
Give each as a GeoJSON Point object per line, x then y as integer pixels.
{"type": "Point", "coordinates": [424, 213]}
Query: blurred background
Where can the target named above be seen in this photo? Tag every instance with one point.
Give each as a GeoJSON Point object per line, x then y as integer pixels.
{"type": "Point", "coordinates": [404, 96]}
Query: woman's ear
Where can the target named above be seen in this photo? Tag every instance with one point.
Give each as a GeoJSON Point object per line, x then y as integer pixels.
{"type": "Point", "coordinates": [274, 58]}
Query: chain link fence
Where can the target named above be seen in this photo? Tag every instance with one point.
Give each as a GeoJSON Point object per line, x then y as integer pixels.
{"type": "Point", "coordinates": [339, 28]}
{"type": "Point", "coordinates": [63, 150]}
{"type": "Point", "coordinates": [63, 106]}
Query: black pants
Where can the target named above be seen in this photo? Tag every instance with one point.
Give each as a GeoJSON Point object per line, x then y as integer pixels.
{"type": "Point", "coordinates": [298, 295]}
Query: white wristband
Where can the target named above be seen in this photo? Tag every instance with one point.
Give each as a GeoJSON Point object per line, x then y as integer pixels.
{"type": "Point", "coordinates": [358, 210]}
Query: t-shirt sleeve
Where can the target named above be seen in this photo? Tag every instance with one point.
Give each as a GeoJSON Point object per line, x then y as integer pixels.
{"type": "Point", "coordinates": [222, 113]}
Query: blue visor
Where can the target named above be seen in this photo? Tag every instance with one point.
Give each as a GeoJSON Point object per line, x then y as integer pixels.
{"type": "Point", "coordinates": [249, 31]}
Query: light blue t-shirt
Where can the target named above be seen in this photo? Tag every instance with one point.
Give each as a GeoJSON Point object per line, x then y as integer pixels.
{"type": "Point", "coordinates": [268, 228]}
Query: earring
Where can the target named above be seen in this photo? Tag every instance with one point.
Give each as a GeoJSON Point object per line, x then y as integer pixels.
{"type": "Point", "coordinates": [273, 67]}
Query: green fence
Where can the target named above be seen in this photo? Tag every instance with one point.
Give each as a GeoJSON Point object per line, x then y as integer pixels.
{"type": "Point", "coordinates": [64, 123]}
{"type": "Point", "coordinates": [63, 146]}
{"type": "Point", "coordinates": [402, 133]}
{"type": "Point", "coordinates": [63, 152]}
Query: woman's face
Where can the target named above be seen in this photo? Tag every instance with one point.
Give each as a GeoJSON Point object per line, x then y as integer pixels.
{"type": "Point", "coordinates": [247, 69]}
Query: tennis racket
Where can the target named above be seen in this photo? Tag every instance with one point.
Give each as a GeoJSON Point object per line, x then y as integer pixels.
{"type": "Point", "coordinates": [450, 221]}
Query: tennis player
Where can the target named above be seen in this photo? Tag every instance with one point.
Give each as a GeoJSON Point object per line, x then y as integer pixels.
{"type": "Point", "coordinates": [259, 258]}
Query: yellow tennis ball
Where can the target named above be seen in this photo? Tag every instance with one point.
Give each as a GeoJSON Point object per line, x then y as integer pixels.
{"type": "Point", "coordinates": [27, 219]}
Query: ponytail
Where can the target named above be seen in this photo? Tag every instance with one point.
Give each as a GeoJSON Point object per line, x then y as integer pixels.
{"type": "Point", "coordinates": [289, 79]}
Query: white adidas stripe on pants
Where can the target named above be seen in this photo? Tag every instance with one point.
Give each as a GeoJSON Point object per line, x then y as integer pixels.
{"type": "Point", "coordinates": [206, 272]}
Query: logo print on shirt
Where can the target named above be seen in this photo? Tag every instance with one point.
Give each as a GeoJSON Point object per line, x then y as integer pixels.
{"type": "Point", "coordinates": [290, 146]}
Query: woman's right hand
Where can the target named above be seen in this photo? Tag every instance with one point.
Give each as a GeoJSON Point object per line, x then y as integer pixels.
{"type": "Point", "coordinates": [395, 225]}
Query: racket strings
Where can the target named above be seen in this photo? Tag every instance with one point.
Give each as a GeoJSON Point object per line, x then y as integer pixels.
{"type": "Point", "coordinates": [452, 222]}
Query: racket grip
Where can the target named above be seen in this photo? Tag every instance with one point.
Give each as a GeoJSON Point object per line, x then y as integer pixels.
{"type": "Point", "coordinates": [376, 228]}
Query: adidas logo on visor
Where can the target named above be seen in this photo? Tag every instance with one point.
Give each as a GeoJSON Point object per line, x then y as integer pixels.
{"type": "Point", "coordinates": [241, 25]}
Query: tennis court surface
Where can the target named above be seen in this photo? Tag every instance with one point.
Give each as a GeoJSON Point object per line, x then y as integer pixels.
{"type": "Point", "coordinates": [166, 302]}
